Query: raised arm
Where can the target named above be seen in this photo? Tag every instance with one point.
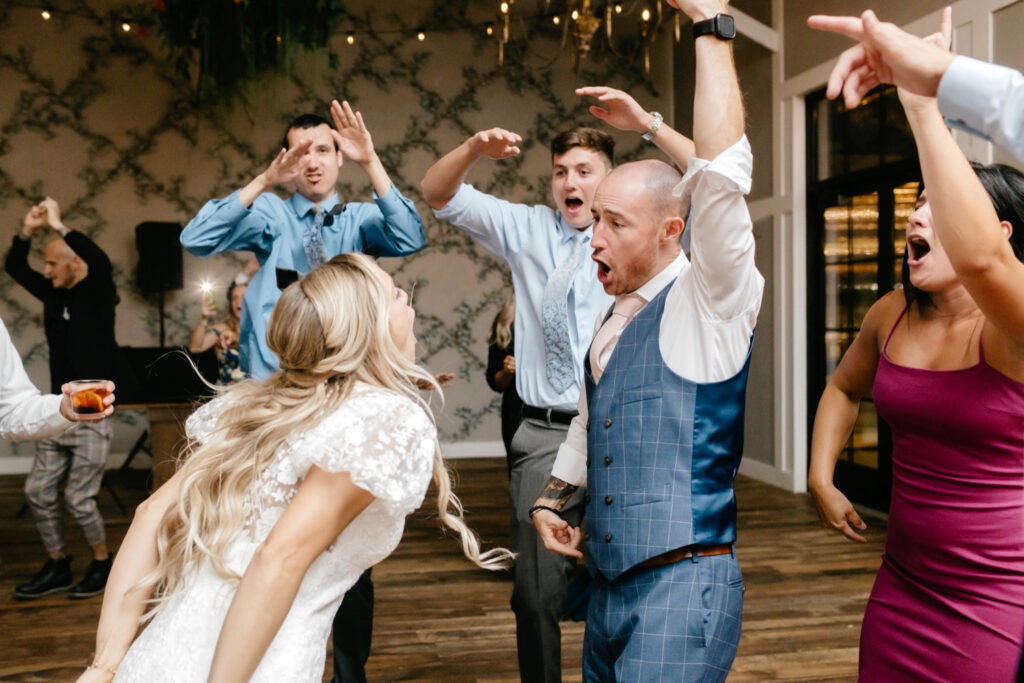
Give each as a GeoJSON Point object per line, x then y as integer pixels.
{"type": "Point", "coordinates": [725, 277]}
{"type": "Point", "coordinates": [95, 258]}
{"type": "Point", "coordinates": [321, 509]}
{"type": "Point", "coordinates": [718, 118]}
{"type": "Point", "coordinates": [16, 263]}
{"type": "Point", "coordinates": [966, 222]}
{"type": "Point", "coordinates": [354, 140]}
{"type": "Point", "coordinates": [444, 178]}
{"type": "Point", "coordinates": [837, 415]}
{"type": "Point", "coordinates": [122, 606]}
{"type": "Point", "coordinates": [621, 111]}
{"type": "Point", "coordinates": [239, 222]}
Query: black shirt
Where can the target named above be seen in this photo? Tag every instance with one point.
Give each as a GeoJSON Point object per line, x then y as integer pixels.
{"type": "Point", "coordinates": [79, 321]}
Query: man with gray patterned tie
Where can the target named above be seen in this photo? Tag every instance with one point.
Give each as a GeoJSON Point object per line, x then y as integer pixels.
{"type": "Point", "coordinates": [296, 236]}
{"type": "Point", "coordinates": [309, 228]}
{"type": "Point", "coordinates": [557, 300]}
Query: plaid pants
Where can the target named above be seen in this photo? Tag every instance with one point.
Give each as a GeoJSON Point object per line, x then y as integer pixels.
{"type": "Point", "coordinates": [679, 622]}
{"type": "Point", "coordinates": [81, 453]}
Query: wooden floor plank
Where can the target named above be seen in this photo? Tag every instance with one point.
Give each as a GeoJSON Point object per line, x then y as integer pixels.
{"type": "Point", "coordinates": [438, 618]}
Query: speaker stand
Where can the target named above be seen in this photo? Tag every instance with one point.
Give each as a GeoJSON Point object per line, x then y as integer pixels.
{"type": "Point", "coordinates": [160, 309]}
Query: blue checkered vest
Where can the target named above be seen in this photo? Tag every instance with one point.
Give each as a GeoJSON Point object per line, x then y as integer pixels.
{"type": "Point", "coordinates": [662, 452]}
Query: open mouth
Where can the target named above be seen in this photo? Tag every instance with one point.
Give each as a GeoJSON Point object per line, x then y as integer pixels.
{"type": "Point", "coordinates": [314, 178]}
{"type": "Point", "coordinates": [574, 204]}
{"type": "Point", "coordinates": [917, 249]}
{"type": "Point", "coordinates": [603, 270]}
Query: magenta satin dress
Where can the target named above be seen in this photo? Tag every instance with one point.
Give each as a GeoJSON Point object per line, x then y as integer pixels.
{"type": "Point", "coordinates": [948, 602]}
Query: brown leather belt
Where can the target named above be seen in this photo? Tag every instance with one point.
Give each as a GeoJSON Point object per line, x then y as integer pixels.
{"type": "Point", "coordinates": [673, 556]}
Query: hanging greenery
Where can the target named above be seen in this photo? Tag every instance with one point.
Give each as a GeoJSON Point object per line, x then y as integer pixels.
{"type": "Point", "coordinates": [223, 46]}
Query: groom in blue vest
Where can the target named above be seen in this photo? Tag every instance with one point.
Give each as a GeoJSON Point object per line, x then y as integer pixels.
{"type": "Point", "coordinates": [660, 432]}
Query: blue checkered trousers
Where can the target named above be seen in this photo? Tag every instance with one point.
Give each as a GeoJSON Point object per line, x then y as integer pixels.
{"type": "Point", "coordinates": [662, 455]}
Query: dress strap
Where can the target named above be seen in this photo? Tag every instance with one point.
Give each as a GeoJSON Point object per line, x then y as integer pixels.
{"type": "Point", "coordinates": [885, 347]}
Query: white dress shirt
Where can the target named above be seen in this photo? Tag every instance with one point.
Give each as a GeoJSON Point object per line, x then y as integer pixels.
{"type": "Point", "coordinates": [711, 310]}
{"type": "Point", "coordinates": [24, 413]}
{"type": "Point", "coordinates": [533, 241]}
{"type": "Point", "coordinates": [986, 100]}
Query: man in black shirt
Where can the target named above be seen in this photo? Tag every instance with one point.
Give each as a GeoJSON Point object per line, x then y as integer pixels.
{"type": "Point", "coordinates": [78, 294]}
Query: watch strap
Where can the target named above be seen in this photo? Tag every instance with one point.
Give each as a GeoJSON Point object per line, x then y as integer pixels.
{"type": "Point", "coordinates": [712, 26]}
{"type": "Point", "coordinates": [655, 127]}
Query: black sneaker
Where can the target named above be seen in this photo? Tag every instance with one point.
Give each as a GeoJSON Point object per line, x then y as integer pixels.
{"type": "Point", "coordinates": [55, 576]}
{"type": "Point", "coordinates": [94, 581]}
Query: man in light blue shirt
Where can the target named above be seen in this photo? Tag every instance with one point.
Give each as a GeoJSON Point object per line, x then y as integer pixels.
{"type": "Point", "coordinates": [282, 234]}
{"type": "Point", "coordinates": [558, 300]}
{"type": "Point", "coordinates": [290, 238]}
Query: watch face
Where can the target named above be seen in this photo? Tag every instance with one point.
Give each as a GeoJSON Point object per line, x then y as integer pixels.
{"type": "Point", "coordinates": [726, 27]}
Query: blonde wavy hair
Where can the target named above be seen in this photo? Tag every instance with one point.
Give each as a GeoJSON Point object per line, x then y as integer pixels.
{"type": "Point", "coordinates": [329, 331]}
{"type": "Point", "coordinates": [501, 328]}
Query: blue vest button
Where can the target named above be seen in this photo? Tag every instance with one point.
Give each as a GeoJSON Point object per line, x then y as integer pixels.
{"type": "Point", "coordinates": [607, 538]}
{"type": "Point", "coordinates": [607, 423]}
{"type": "Point", "coordinates": [607, 460]}
{"type": "Point", "coordinates": [607, 500]}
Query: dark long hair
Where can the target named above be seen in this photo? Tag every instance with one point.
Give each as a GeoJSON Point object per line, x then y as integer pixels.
{"type": "Point", "coordinates": [1005, 187]}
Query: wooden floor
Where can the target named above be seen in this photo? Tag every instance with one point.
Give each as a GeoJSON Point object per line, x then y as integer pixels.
{"type": "Point", "coordinates": [438, 618]}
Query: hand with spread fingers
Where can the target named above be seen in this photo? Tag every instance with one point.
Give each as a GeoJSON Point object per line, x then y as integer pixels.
{"type": "Point", "coordinates": [619, 109]}
{"type": "Point", "coordinates": [886, 54]}
{"type": "Point", "coordinates": [495, 143]}
{"type": "Point", "coordinates": [350, 134]}
{"type": "Point", "coordinates": [287, 164]}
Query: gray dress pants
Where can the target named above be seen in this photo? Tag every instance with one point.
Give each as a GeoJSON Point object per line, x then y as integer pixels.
{"type": "Point", "coordinates": [541, 576]}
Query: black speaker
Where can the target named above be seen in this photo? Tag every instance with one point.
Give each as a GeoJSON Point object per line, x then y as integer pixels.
{"type": "Point", "coordinates": [160, 262]}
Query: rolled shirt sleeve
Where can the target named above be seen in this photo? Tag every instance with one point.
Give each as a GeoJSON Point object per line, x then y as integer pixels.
{"type": "Point", "coordinates": [986, 100]}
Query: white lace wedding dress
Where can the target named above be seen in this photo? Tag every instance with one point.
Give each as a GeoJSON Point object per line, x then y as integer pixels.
{"type": "Point", "coordinates": [386, 442]}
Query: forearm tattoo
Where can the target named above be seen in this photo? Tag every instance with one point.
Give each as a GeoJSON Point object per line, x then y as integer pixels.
{"type": "Point", "coordinates": [556, 493]}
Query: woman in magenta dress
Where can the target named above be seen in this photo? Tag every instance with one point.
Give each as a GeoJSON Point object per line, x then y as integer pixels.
{"type": "Point", "coordinates": [946, 361]}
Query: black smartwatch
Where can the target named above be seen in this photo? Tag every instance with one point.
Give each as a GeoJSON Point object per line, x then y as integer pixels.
{"type": "Point", "coordinates": [721, 25]}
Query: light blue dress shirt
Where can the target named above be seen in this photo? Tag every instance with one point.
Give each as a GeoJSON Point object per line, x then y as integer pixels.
{"type": "Point", "coordinates": [533, 240]}
{"type": "Point", "coordinates": [986, 100]}
{"type": "Point", "coordinates": [272, 229]}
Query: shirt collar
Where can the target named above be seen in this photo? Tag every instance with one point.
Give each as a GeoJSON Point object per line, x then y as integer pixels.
{"type": "Point", "coordinates": [652, 287]}
{"type": "Point", "coordinates": [569, 233]}
{"type": "Point", "coordinates": [302, 206]}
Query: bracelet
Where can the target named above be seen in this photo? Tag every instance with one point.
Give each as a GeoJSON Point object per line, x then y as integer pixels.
{"type": "Point", "coordinates": [542, 507]}
{"type": "Point", "coordinates": [98, 667]}
{"type": "Point", "coordinates": [655, 127]}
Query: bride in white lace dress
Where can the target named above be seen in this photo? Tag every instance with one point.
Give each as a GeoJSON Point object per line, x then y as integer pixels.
{"type": "Point", "coordinates": [293, 487]}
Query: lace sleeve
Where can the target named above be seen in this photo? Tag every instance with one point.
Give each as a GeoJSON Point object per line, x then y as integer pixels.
{"type": "Point", "coordinates": [201, 422]}
{"type": "Point", "coordinates": [384, 441]}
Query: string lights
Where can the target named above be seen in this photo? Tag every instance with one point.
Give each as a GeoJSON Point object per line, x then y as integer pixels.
{"type": "Point", "coordinates": [580, 19]}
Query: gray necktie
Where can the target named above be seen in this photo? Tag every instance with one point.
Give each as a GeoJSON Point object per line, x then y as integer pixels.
{"type": "Point", "coordinates": [313, 241]}
{"type": "Point", "coordinates": [558, 358]}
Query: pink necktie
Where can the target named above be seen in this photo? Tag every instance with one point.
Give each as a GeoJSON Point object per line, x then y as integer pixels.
{"type": "Point", "coordinates": [625, 308]}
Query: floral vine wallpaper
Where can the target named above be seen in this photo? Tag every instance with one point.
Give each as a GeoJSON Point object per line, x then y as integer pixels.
{"type": "Point", "coordinates": [100, 120]}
